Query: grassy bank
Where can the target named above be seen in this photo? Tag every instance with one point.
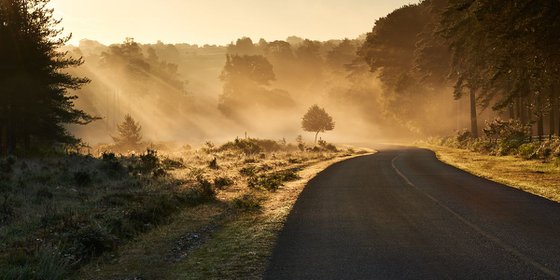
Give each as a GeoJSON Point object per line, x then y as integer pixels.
{"type": "Point", "coordinates": [187, 214]}
{"type": "Point", "coordinates": [537, 176]}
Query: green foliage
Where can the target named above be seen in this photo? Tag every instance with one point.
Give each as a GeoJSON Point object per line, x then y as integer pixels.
{"type": "Point", "coordinates": [90, 241]}
{"type": "Point", "coordinates": [45, 264]}
{"type": "Point", "coordinates": [36, 105]}
{"type": "Point", "coordinates": [82, 178]}
{"type": "Point", "coordinates": [511, 130]}
{"type": "Point", "coordinates": [222, 182]}
{"type": "Point", "coordinates": [247, 202]}
{"type": "Point", "coordinates": [7, 208]}
{"type": "Point", "coordinates": [528, 150]}
{"type": "Point", "coordinates": [170, 164]}
{"type": "Point", "coordinates": [317, 120]}
{"type": "Point", "coordinates": [248, 171]}
{"type": "Point", "coordinates": [253, 146]}
{"type": "Point", "coordinates": [203, 192]}
{"type": "Point", "coordinates": [463, 136]}
{"type": "Point", "coordinates": [111, 165]}
{"type": "Point", "coordinates": [149, 162]}
{"type": "Point", "coordinates": [130, 134]}
{"type": "Point", "coordinates": [272, 181]}
{"type": "Point", "coordinates": [6, 165]}
{"type": "Point", "coordinates": [327, 146]}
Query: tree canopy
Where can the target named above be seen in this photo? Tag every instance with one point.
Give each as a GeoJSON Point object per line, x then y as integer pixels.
{"type": "Point", "coordinates": [317, 120]}
{"type": "Point", "coordinates": [35, 103]}
{"type": "Point", "coordinates": [130, 134]}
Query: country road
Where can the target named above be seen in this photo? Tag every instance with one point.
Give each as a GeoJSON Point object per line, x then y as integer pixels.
{"type": "Point", "coordinates": [402, 214]}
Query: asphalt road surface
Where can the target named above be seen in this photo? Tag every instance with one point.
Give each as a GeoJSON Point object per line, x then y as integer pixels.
{"type": "Point", "coordinates": [402, 214]}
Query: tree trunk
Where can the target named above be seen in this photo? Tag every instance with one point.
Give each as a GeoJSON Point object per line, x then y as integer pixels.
{"type": "Point", "coordinates": [553, 112]}
{"type": "Point", "coordinates": [522, 111]}
{"type": "Point", "coordinates": [316, 134]}
{"type": "Point", "coordinates": [518, 108]}
{"type": "Point", "coordinates": [3, 140]}
{"type": "Point", "coordinates": [540, 118]}
{"type": "Point", "coordinates": [511, 112]}
{"type": "Point", "coordinates": [12, 140]}
{"type": "Point", "coordinates": [474, 121]}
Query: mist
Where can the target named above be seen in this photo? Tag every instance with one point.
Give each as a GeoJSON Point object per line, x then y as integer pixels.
{"type": "Point", "coordinates": [187, 94]}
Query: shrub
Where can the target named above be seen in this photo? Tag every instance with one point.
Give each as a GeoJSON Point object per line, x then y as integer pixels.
{"type": "Point", "coordinates": [205, 188]}
{"type": "Point", "coordinates": [273, 181]}
{"type": "Point", "coordinates": [159, 172]}
{"type": "Point", "coordinates": [91, 241]}
{"type": "Point", "coordinates": [82, 178]}
{"type": "Point", "coordinates": [154, 210]}
{"type": "Point", "coordinates": [247, 202]}
{"type": "Point", "coordinates": [483, 146]}
{"type": "Point", "coordinates": [509, 146]}
{"type": "Point", "coordinates": [201, 193]}
{"type": "Point", "coordinates": [7, 209]}
{"type": "Point", "coordinates": [463, 136]}
{"type": "Point", "coordinates": [246, 146]}
{"type": "Point", "coordinates": [171, 164]}
{"type": "Point", "coordinates": [248, 171]}
{"type": "Point", "coordinates": [508, 130]}
{"type": "Point", "coordinates": [528, 150]}
{"type": "Point", "coordinates": [557, 161]}
{"type": "Point", "coordinates": [213, 164]}
{"type": "Point", "coordinates": [221, 182]}
{"type": "Point", "coordinates": [110, 164]}
{"type": "Point", "coordinates": [149, 161]}
{"type": "Point", "coordinates": [209, 148]}
{"type": "Point", "coordinates": [43, 194]}
{"type": "Point", "coordinates": [7, 164]}
{"type": "Point", "coordinates": [45, 263]}
{"type": "Point", "coordinates": [327, 147]}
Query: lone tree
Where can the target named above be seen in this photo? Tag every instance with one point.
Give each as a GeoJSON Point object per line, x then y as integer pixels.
{"type": "Point", "coordinates": [35, 103]}
{"type": "Point", "coordinates": [130, 134]}
{"type": "Point", "coordinates": [317, 120]}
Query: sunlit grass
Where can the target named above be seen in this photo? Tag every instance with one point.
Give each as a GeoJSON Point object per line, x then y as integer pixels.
{"type": "Point", "coordinates": [534, 176]}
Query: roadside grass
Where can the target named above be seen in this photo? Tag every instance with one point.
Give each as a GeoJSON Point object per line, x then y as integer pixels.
{"type": "Point", "coordinates": [243, 247]}
{"type": "Point", "coordinates": [538, 177]}
{"type": "Point", "coordinates": [150, 215]}
{"type": "Point", "coordinates": [151, 255]}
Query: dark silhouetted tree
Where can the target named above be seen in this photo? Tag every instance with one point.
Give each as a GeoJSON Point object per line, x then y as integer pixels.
{"type": "Point", "coordinates": [35, 104]}
{"type": "Point", "coordinates": [130, 134]}
{"type": "Point", "coordinates": [317, 120]}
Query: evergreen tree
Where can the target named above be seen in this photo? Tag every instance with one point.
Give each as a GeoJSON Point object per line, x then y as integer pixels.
{"type": "Point", "coordinates": [130, 134]}
{"type": "Point", "coordinates": [35, 104]}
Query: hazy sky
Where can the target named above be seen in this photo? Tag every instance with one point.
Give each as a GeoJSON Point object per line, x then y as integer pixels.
{"type": "Point", "coordinates": [219, 21]}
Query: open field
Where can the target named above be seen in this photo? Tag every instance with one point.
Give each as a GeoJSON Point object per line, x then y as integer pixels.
{"type": "Point", "coordinates": [199, 213]}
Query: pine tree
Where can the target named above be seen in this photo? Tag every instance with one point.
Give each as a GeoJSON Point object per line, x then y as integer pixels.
{"type": "Point", "coordinates": [130, 134]}
{"type": "Point", "coordinates": [35, 104]}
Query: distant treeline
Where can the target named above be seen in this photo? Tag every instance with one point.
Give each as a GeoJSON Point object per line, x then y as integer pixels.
{"type": "Point", "coordinates": [398, 80]}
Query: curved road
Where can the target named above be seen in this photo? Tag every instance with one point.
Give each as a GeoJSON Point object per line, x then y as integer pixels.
{"type": "Point", "coordinates": [402, 214]}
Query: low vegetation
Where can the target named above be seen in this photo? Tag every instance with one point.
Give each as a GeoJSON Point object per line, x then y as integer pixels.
{"type": "Point", "coordinates": [506, 153]}
{"type": "Point", "coordinates": [64, 214]}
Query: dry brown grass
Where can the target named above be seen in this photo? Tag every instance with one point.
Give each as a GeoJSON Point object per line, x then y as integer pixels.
{"type": "Point", "coordinates": [219, 240]}
{"type": "Point", "coordinates": [241, 249]}
{"type": "Point", "coordinates": [534, 176]}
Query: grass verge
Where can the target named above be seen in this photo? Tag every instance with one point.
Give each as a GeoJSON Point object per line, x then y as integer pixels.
{"type": "Point", "coordinates": [242, 247]}
{"type": "Point", "coordinates": [231, 237]}
{"type": "Point", "coordinates": [538, 177]}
